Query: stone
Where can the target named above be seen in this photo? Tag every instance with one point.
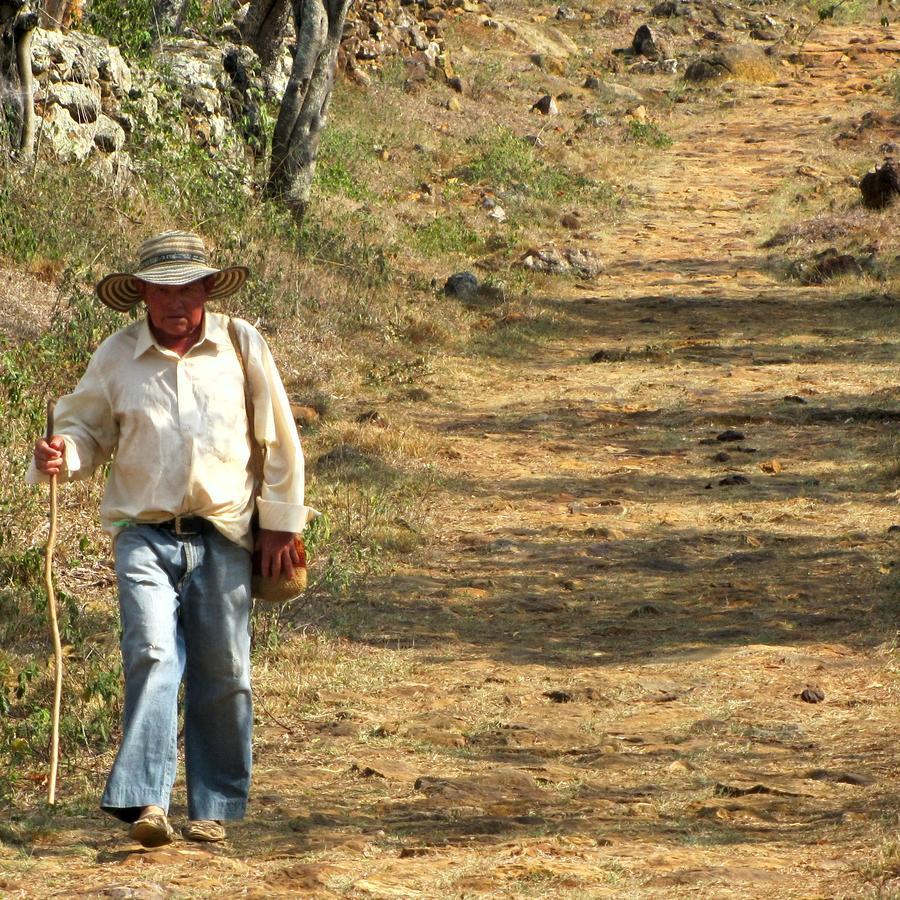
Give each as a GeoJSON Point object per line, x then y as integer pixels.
{"type": "Point", "coordinates": [82, 104]}
{"type": "Point", "coordinates": [372, 417]}
{"type": "Point", "coordinates": [881, 186]}
{"type": "Point", "coordinates": [83, 57]}
{"type": "Point", "coordinates": [508, 785]}
{"type": "Point", "coordinates": [113, 169]}
{"type": "Point", "coordinates": [199, 99]}
{"type": "Point", "coordinates": [387, 768]}
{"type": "Point", "coordinates": [218, 130]}
{"type": "Point", "coordinates": [669, 8]}
{"type": "Point", "coordinates": [733, 480]}
{"type": "Point", "coordinates": [186, 64]}
{"type": "Point", "coordinates": [637, 113]}
{"type": "Point", "coordinates": [147, 105]}
{"type": "Point", "coordinates": [612, 90]}
{"type": "Point", "coordinates": [828, 264]}
{"type": "Point", "coordinates": [571, 259]}
{"type": "Point", "coordinates": [452, 104]}
{"type": "Point", "coordinates": [564, 14]}
{"type": "Point", "coordinates": [707, 68]}
{"type": "Point", "coordinates": [546, 106]}
{"type": "Point", "coordinates": [646, 43]}
{"type": "Point", "coordinates": [839, 777]}
{"type": "Point", "coordinates": [304, 416]}
{"type": "Point", "coordinates": [742, 61]}
{"type": "Point", "coordinates": [462, 285]}
{"type": "Point", "coordinates": [584, 262]}
{"type": "Point", "coordinates": [596, 118]}
{"type": "Point", "coordinates": [730, 434]}
{"type": "Point", "coordinates": [812, 694]}
{"type": "Point", "coordinates": [70, 140]}
{"type": "Point", "coordinates": [147, 891]}
{"type": "Point", "coordinates": [109, 135]}
{"type": "Point", "coordinates": [553, 64]}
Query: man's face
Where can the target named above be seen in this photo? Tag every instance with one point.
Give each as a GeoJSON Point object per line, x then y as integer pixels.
{"type": "Point", "coordinates": [175, 311]}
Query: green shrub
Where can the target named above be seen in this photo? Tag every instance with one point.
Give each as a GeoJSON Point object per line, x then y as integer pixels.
{"type": "Point", "coordinates": [506, 162]}
{"type": "Point", "coordinates": [126, 25]}
{"type": "Point", "coordinates": [446, 234]}
{"type": "Point", "coordinates": [131, 26]}
{"type": "Point", "coordinates": [207, 16]}
{"type": "Point", "coordinates": [648, 134]}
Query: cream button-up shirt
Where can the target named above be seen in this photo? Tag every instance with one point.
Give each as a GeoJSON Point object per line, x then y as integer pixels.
{"type": "Point", "coordinates": [176, 430]}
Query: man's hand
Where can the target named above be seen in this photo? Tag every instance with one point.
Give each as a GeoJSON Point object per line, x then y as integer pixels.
{"type": "Point", "coordinates": [279, 555]}
{"type": "Point", "coordinates": [49, 455]}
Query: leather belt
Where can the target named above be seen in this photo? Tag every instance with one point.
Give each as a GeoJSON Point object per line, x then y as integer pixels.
{"type": "Point", "coordinates": [186, 526]}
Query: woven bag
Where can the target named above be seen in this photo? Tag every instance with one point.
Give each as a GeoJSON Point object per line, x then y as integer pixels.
{"type": "Point", "coordinates": [266, 589]}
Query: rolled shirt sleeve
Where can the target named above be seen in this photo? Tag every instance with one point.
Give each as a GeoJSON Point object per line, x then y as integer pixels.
{"type": "Point", "coordinates": [280, 503]}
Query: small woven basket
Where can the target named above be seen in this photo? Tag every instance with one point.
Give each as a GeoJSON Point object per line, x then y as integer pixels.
{"type": "Point", "coordinates": [276, 591]}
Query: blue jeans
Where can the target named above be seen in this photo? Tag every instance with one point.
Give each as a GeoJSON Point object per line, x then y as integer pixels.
{"type": "Point", "coordinates": [185, 608]}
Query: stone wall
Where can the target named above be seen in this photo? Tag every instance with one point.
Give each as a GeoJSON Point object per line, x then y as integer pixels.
{"type": "Point", "coordinates": [89, 100]}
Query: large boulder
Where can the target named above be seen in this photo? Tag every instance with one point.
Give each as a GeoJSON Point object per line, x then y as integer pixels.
{"type": "Point", "coordinates": [881, 187]}
{"type": "Point", "coordinates": [741, 62]}
{"type": "Point", "coordinates": [71, 141]}
{"type": "Point", "coordinates": [647, 43]}
{"type": "Point", "coordinates": [196, 71]}
{"type": "Point", "coordinates": [80, 57]}
{"type": "Point", "coordinates": [109, 136]}
{"type": "Point", "coordinates": [82, 104]}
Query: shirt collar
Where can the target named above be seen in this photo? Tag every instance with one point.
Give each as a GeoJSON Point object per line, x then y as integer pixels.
{"type": "Point", "coordinates": [213, 330]}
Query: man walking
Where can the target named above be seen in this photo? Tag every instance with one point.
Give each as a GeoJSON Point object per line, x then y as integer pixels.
{"type": "Point", "coordinates": [164, 399]}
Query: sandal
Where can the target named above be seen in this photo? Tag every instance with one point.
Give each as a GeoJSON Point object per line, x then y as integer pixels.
{"type": "Point", "coordinates": [205, 830]}
{"type": "Point", "coordinates": [152, 830]}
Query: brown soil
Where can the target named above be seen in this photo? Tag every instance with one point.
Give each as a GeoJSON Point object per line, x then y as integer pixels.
{"type": "Point", "coordinates": [590, 686]}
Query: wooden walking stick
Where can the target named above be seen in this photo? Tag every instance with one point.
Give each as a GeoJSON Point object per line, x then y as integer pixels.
{"type": "Point", "coordinates": [54, 623]}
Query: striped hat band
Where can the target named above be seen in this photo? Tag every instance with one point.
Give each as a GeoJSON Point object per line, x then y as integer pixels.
{"type": "Point", "coordinates": [171, 258]}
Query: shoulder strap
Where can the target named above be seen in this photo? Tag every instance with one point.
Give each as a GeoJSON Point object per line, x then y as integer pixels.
{"type": "Point", "coordinates": [256, 455]}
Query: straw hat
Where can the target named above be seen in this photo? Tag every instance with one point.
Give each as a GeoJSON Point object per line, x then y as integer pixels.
{"type": "Point", "coordinates": [171, 258]}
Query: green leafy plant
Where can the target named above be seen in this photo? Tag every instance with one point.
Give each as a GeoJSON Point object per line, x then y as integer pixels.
{"type": "Point", "coordinates": [126, 25]}
{"type": "Point", "coordinates": [445, 234]}
{"type": "Point", "coordinates": [648, 134]}
{"type": "Point", "coordinates": [503, 161]}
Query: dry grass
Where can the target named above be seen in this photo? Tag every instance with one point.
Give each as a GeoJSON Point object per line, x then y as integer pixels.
{"type": "Point", "coordinates": [469, 568]}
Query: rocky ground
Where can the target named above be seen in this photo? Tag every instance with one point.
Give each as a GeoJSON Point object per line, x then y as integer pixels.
{"type": "Point", "coordinates": [652, 652]}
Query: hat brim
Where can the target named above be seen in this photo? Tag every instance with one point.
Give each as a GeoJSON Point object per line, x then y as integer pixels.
{"type": "Point", "coordinates": [120, 291]}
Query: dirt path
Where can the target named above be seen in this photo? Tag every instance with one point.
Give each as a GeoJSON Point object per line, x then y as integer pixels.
{"type": "Point", "coordinates": [591, 687]}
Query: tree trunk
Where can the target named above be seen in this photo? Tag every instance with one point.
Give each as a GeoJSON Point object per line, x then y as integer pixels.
{"type": "Point", "coordinates": [264, 26]}
{"type": "Point", "coordinates": [304, 107]}
{"type": "Point", "coordinates": [17, 24]}
{"type": "Point", "coordinates": [168, 16]}
{"type": "Point", "coordinates": [52, 13]}
{"type": "Point", "coordinates": [58, 14]}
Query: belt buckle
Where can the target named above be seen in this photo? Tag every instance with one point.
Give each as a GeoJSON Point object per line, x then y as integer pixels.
{"type": "Point", "coordinates": [182, 532]}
